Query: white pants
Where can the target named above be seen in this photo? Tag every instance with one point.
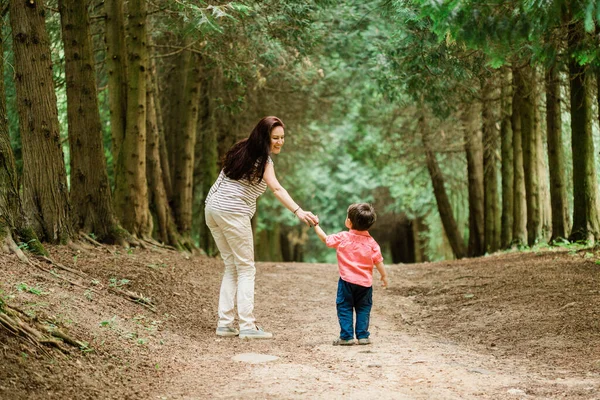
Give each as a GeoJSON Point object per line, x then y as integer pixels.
{"type": "Point", "coordinates": [233, 236]}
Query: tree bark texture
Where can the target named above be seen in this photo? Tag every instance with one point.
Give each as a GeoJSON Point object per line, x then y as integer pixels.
{"type": "Point", "coordinates": [173, 102]}
{"type": "Point", "coordinates": [206, 164]}
{"type": "Point", "coordinates": [116, 66]}
{"type": "Point", "coordinates": [91, 198]}
{"type": "Point", "coordinates": [586, 225]}
{"type": "Point", "coordinates": [13, 222]}
{"type": "Point", "coordinates": [45, 190]}
{"type": "Point", "coordinates": [443, 203]}
{"type": "Point", "coordinates": [542, 167]}
{"type": "Point", "coordinates": [556, 157]}
{"type": "Point", "coordinates": [490, 119]}
{"type": "Point", "coordinates": [160, 126]}
{"type": "Point", "coordinates": [507, 166]}
{"type": "Point", "coordinates": [185, 145]}
{"type": "Point", "coordinates": [474, 152]}
{"type": "Point", "coordinates": [131, 188]}
{"type": "Point", "coordinates": [165, 227]}
{"type": "Point", "coordinates": [526, 88]}
{"type": "Point", "coordinates": [520, 202]}
{"type": "Point", "coordinates": [11, 208]}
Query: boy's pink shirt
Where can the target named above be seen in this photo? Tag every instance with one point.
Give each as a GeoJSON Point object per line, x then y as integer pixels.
{"type": "Point", "coordinates": [357, 253]}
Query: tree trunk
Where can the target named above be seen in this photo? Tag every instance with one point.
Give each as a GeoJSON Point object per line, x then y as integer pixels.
{"type": "Point", "coordinates": [474, 152]}
{"type": "Point", "coordinates": [174, 106]}
{"type": "Point", "coordinates": [520, 202]}
{"type": "Point", "coordinates": [556, 157]}
{"type": "Point", "coordinates": [157, 195]}
{"type": "Point", "coordinates": [116, 66]}
{"type": "Point", "coordinates": [441, 197]}
{"type": "Point", "coordinates": [542, 168]}
{"type": "Point", "coordinates": [131, 187]}
{"type": "Point", "coordinates": [185, 145]}
{"type": "Point", "coordinates": [586, 225]}
{"type": "Point", "coordinates": [162, 144]}
{"type": "Point", "coordinates": [419, 233]}
{"type": "Point", "coordinates": [526, 88]}
{"type": "Point", "coordinates": [207, 168]}
{"type": "Point", "coordinates": [268, 244]}
{"type": "Point", "coordinates": [13, 223]}
{"type": "Point", "coordinates": [45, 190]}
{"type": "Point", "coordinates": [402, 241]}
{"type": "Point", "coordinates": [90, 191]}
{"type": "Point", "coordinates": [490, 165]}
{"type": "Point", "coordinates": [506, 137]}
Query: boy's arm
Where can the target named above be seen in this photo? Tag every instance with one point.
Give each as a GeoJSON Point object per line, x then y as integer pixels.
{"type": "Point", "coordinates": [383, 273]}
{"type": "Point", "coordinates": [320, 233]}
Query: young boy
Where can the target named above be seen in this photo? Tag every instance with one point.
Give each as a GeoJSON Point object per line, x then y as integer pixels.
{"type": "Point", "coordinates": [357, 252]}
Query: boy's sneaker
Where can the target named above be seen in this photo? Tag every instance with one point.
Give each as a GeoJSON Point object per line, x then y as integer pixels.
{"type": "Point", "coordinates": [256, 333]}
{"type": "Point", "coordinates": [364, 341]}
{"type": "Point", "coordinates": [227, 331]}
{"type": "Point", "coordinates": [343, 342]}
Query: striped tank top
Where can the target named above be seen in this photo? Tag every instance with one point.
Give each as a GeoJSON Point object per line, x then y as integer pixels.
{"type": "Point", "coordinates": [237, 197]}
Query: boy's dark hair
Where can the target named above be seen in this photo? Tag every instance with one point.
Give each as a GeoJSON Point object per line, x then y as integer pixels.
{"type": "Point", "coordinates": [362, 216]}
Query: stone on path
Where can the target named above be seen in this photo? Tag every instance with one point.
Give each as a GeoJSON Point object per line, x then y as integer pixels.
{"type": "Point", "coordinates": [254, 358]}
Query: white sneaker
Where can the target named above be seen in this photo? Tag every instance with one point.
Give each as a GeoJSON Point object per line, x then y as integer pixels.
{"type": "Point", "coordinates": [256, 333]}
{"type": "Point", "coordinates": [227, 331]}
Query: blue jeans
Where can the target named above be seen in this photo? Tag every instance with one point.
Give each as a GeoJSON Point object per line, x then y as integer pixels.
{"type": "Point", "coordinates": [351, 298]}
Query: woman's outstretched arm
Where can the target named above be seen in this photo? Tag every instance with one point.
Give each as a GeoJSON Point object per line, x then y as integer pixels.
{"type": "Point", "coordinates": [284, 197]}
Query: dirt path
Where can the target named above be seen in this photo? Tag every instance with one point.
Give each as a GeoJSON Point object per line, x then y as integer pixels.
{"type": "Point", "coordinates": [509, 326]}
{"type": "Point", "coordinates": [296, 302]}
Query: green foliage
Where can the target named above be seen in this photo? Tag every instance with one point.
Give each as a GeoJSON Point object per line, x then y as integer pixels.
{"type": "Point", "coordinates": [117, 283]}
{"type": "Point", "coordinates": [23, 287]}
{"type": "Point", "coordinates": [108, 323]}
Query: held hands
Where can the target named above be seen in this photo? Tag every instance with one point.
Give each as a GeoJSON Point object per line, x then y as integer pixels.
{"type": "Point", "coordinates": [307, 217]}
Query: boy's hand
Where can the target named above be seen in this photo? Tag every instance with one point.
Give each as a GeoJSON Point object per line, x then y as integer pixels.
{"type": "Point", "coordinates": [384, 281]}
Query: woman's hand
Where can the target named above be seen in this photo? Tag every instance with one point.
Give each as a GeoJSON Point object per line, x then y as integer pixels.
{"type": "Point", "coordinates": [307, 217]}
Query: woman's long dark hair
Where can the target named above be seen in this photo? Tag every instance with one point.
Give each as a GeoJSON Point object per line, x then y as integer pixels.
{"type": "Point", "coordinates": [247, 158]}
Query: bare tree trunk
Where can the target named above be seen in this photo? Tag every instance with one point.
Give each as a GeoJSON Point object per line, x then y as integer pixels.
{"type": "Point", "coordinates": [90, 191]}
{"type": "Point", "coordinates": [116, 65]}
{"type": "Point", "coordinates": [45, 190]}
{"type": "Point", "coordinates": [185, 144]}
{"type": "Point", "coordinates": [474, 152]}
{"type": "Point", "coordinates": [444, 207]}
{"type": "Point", "coordinates": [402, 240]}
{"type": "Point", "coordinates": [268, 244]}
{"type": "Point", "coordinates": [542, 168]}
{"type": "Point", "coordinates": [526, 88]}
{"type": "Point", "coordinates": [508, 174]}
{"type": "Point", "coordinates": [586, 224]}
{"type": "Point", "coordinates": [556, 157]}
{"type": "Point", "coordinates": [206, 161]}
{"type": "Point", "coordinates": [174, 106]}
{"type": "Point", "coordinates": [419, 229]}
{"type": "Point", "coordinates": [520, 203]}
{"type": "Point", "coordinates": [490, 165]}
{"type": "Point", "coordinates": [13, 223]}
{"type": "Point", "coordinates": [162, 144]}
{"type": "Point", "coordinates": [157, 196]}
{"type": "Point", "coordinates": [131, 187]}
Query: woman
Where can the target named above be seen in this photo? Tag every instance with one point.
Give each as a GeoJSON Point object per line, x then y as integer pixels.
{"type": "Point", "coordinates": [230, 204]}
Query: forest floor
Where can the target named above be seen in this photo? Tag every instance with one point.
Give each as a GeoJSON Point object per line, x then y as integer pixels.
{"type": "Point", "coordinates": [509, 326]}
